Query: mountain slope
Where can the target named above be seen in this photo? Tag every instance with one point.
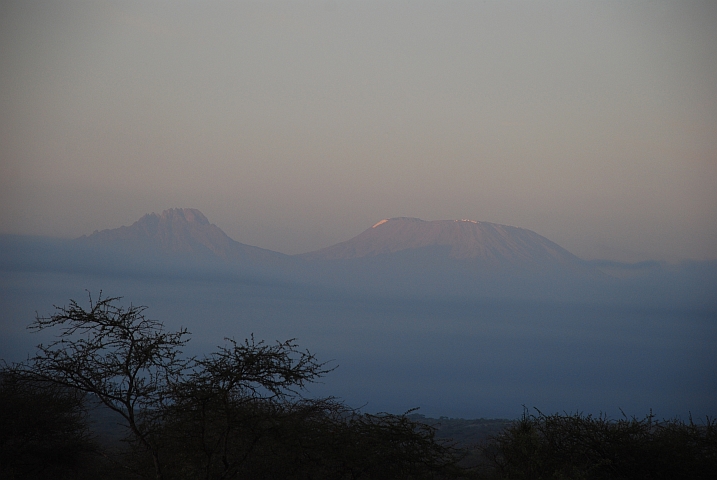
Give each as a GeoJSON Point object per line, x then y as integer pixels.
{"type": "Point", "coordinates": [178, 232]}
{"type": "Point", "coordinates": [466, 241]}
{"type": "Point", "coordinates": [451, 258]}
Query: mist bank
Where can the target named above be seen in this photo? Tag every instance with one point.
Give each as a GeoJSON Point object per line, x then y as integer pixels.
{"type": "Point", "coordinates": [427, 272]}
{"type": "Point", "coordinates": [450, 357]}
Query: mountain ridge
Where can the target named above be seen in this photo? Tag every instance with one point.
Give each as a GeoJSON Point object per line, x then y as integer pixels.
{"type": "Point", "coordinates": [401, 256]}
{"type": "Point", "coordinates": [188, 232]}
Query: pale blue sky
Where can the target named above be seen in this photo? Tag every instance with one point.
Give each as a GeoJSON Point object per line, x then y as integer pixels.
{"type": "Point", "coordinates": [294, 125]}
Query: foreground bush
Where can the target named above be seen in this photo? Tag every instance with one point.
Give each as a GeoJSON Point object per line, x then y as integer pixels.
{"type": "Point", "coordinates": [43, 429]}
{"type": "Point", "coordinates": [313, 439]}
{"type": "Point", "coordinates": [587, 447]}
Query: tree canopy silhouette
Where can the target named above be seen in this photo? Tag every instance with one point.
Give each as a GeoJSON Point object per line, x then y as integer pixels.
{"type": "Point", "coordinates": [239, 412]}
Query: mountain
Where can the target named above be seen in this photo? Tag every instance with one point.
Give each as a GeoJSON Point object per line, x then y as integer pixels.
{"type": "Point", "coordinates": [465, 258]}
{"type": "Point", "coordinates": [465, 241]}
{"type": "Point", "coordinates": [178, 232]}
{"type": "Point", "coordinates": [396, 256]}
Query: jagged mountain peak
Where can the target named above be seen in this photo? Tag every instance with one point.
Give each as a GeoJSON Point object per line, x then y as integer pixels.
{"type": "Point", "coordinates": [177, 231]}
{"type": "Point", "coordinates": [179, 215]}
{"type": "Point", "coordinates": [191, 215]}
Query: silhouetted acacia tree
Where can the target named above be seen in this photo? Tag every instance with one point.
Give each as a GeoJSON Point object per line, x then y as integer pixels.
{"type": "Point", "coordinates": [136, 368]}
{"type": "Point", "coordinates": [236, 413]}
{"type": "Point", "coordinates": [119, 356]}
{"type": "Point", "coordinates": [232, 400]}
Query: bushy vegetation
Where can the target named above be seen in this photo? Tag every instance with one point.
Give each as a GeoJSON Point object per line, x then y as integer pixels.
{"type": "Point", "coordinates": [43, 429]}
{"type": "Point", "coordinates": [241, 413]}
{"type": "Point", "coordinates": [564, 446]}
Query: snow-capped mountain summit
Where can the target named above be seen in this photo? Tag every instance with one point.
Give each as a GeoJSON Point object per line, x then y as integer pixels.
{"type": "Point", "coordinates": [462, 240]}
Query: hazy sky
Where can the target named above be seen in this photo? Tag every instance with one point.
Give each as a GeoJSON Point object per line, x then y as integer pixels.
{"type": "Point", "coordinates": [298, 124]}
